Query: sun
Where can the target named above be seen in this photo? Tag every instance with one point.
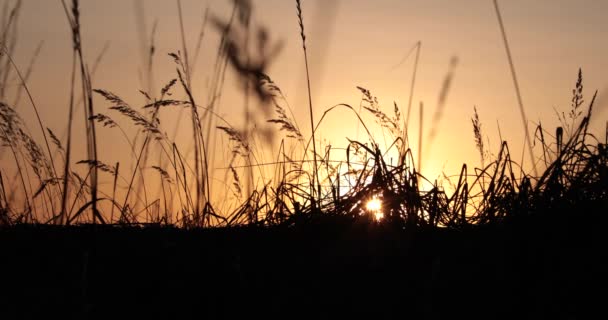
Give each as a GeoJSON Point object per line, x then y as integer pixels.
{"type": "Point", "coordinates": [374, 206]}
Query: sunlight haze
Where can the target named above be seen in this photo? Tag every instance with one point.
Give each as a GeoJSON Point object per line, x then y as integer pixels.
{"type": "Point", "coordinates": [350, 44]}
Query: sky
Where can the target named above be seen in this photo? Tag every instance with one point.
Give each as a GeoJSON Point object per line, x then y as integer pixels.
{"type": "Point", "coordinates": [350, 43]}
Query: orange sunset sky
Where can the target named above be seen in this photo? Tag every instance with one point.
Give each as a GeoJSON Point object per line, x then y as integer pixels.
{"type": "Point", "coordinates": [351, 43]}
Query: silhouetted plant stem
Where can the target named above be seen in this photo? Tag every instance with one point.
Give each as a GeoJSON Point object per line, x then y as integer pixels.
{"type": "Point", "coordinates": [412, 86]}
{"type": "Point", "coordinates": [420, 130]}
{"type": "Point", "coordinates": [219, 73]}
{"type": "Point", "coordinates": [9, 43]}
{"type": "Point", "coordinates": [114, 192]}
{"type": "Point", "coordinates": [139, 157]}
{"type": "Point", "coordinates": [4, 216]}
{"type": "Point", "coordinates": [68, 150]}
{"type": "Point", "coordinates": [19, 170]}
{"type": "Point", "coordinates": [247, 115]}
{"type": "Point", "coordinates": [74, 20]}
{"type": "Point", "coordinates": [517, 91]}
{"type": "Point", "coordinates": [200, 153]}
{"type": "Point", "coordinates": [148, 58]}
{"type": "Point", "coordinates": [315, 177]}
{"type": "Point", "coordinates": [29, 95]}
{"type": "Point", "coordinates": [28, 72]}
{"type": "Point", "coordinates": [183, 38]}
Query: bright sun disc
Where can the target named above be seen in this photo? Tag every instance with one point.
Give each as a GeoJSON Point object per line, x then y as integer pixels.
{"type": "Point", "coordinates": [374, 206]}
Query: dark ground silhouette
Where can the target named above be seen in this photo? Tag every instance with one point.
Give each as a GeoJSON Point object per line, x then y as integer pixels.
{"type": "Point", "coordinates": [547, 265]}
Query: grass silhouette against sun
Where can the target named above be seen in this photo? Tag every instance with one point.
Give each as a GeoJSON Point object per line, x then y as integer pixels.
{"type": "Point", "coordinates": [307, 184]}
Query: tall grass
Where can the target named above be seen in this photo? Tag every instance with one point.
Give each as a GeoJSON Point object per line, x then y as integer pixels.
{"type": "Point", "coordinates": [315, 182]}
{"type": "Point", "coordinates": [520, 103]}
{"type": "Point", "coordinates": [336, 183]}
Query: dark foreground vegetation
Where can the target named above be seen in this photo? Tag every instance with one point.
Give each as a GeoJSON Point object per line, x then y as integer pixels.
{"type": "Point", "coordinates": [501, 247]}
{"type": "Point", "coordinates": [550, 265]}
{"type": "Point", "coordinates": [498, 243]}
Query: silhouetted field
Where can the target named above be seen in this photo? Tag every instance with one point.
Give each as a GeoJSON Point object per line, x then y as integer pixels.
{"type": "Point", "coordinates": [547, 265]}
{"type": "Point", "coordinates": [494, 241]}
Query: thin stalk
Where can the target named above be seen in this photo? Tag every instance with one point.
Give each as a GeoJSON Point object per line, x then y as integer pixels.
{"type": "Point", "coordinates": [74, 20]}
{"type": "Point", "coordinates": [420, 137]}
{"type": "Point", "coordinates": [162, 186]}
{"type": "Point", "coordinates": [25, 87]}
{"type": "Point", "coordinates": [139, 157]}
{"type": "Point", "coordinates": [9, 27]}
{"type": "Point", "coordinates": [247, 115]}
{"type": "Point", "coordinates": [7, 206]}
{"type": "Point", "coordinates": [200, 39]}
{"type": "Point", "coordinates": [412, 85]}
{"type": "Point", "coordinates": [200, 151]}
{"type": "Point", "coordinates": [28, 72]}
{"type": "Point", "coordinates": [66, 167]}
{"type": "Point", "coordinates": [199, 142]}
{"type": "Point", "coordinates": [114, 191]}
{"type": "Point", "coordinates": [19, 170]}
{"type": "Point", "coordinates": [312, 126]}
{"type": "Point", "coordinates": [183, 37]}
{"type": "Point", "coordinates": [517, 91]}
